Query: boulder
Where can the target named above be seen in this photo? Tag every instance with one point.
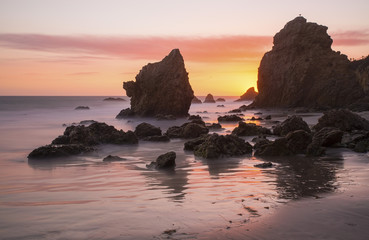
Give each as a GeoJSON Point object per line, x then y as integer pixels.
{"type": "Point", "coordinates": [302, 70]}
{"type": "Point", "coordinates": [161, 88]}
{"type": "Point", "coordinates": [82, 108]}
{"type": "Point", "coordinates": [114, 99]}
{"type": "Point", "coordinates": [209, 99]}
{"type": "Point", "coordinates": [145, 130]}
{"type": "Point", "coordinates": [297, 141]}
{"type": "Point", "coordinates": [220, 105]}
{"type": "Point", "coordinates": [229, 118]}
{"type": "Point", "coordinates": [328, 136]}
{"type": "Point", "coordinates": [195, 100]}
{"type": "Point", "coordinates": [342, 119]}
{"type": "Point", "coordinates": [220, 100]}
{"type": "Point", "coordinates": [192, 129]}
{"type": "Point", "coordinates": [60, 150]}
{"type": "Point", "coordinates": [292, 123]}
{"type": "Point", "coordinates": [249, 95]}
{"type": "Point", "coordinates": [94, 134]}
{"type": "Point", "coordinates": [111, 158]}
{"type": "Point", "coordinates": [164, 161]}
{"type": "Point", "coordinates": [249, 129]}
{"type": "Point", "coordinates": [215, 146]}
{"type": "Point", "coordinates": [125, 113]}
{"type": "Point", "coordinates": [214, 126]}
{"type": "Point", "coordinates": [194, 117]}
{"type": "Point", "coordinates": [273, 148]}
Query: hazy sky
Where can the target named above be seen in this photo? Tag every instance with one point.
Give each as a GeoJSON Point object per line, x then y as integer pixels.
{"type": "Point", "coordinates": [89, 47]}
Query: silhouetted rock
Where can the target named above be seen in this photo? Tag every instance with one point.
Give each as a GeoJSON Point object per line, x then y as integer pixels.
{"type": "Point", "coordinates": [302, 70]}
{"type": "Point", "coordinates": [82, 108]}
{"type": "Point", "coordinates": [220, 100]}
{"type": "Point", "coordinates": [145, 130]}
{"type": "Point", "coordinates": [60, 150]}
{"type": "Point", "coordinates": [229, 118]}
{"type": "Point", "coordinates": [192, 129]}
{"type": "Point", "coordinates": [237, 110]}
{"type": "Point", "coordinates": [328, 136]}
{"type": "Point", "coordinates": [111, 158]}
{"type": "Point", "coordinates": [195, 100]}
{"type": "Point", "coordinates": [249, 95]}
{"type": "Point", "coordinates": [114, 99]}
{"type": "Point", "coordinates": [297, 141]}
{"type": "Point", "coordinates": [342, 119]}
{"type": "Point", "coordinates": [215, 146]}
{"type": "Point", "coordinates": [264, 165]}
{"type": "Point", "coordinates": [214, 126]}
{"type": "Point", "coordinates": [125, 113]}
{"type": "Point", "coordinates": [209, 99]}
{"type": "Point", "coordinates": [220, 105]}
{"type": "Point", "coordinates": [194, 117]}
{"type": "Point", "coordinates": [87, 122]}
{"type": "Point", "coordinates": [249, 129]}
{"type": "Point", "coordinates": [292, 123]}
{"type": "Point", "coordinates": [164, 161]}
{"type": "Point", "coordinates": [273, 148]}
{"type": "Point", "coordinates": [161, 88]}
{"type": "Point", "coordinates": [94, 134]}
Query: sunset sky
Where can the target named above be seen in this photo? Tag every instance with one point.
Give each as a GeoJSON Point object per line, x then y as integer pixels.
{"type": "Point", "coordinates": [89, 47]}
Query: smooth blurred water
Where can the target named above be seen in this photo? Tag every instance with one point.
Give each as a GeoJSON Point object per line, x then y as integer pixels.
{"type": "Point", "coordinates": [83, 197]}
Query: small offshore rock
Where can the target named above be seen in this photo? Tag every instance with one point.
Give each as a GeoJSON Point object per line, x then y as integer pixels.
{"type": "Point", "coordinates": [193, 117]}
{"type": "Point", "coordinates": [111, 158]}
{"type": "Point", "coordinates": [230, 118]}
{"type": "Point", "coordinates": [145, 130]}
{"type": "Point", "coordinates": [60, 150]}
{"type": "Point", "coordinates": [220, 105]}
{"type": "Point", "coordinates": [292, 123]}
{"type": "Point", "coordinates": [249, 129]}
{"type": "Point", "coordinates": [237, 110]}
{"type": "Point", "coordinates": [220, 100]}
{"type": "Point", "coordinates": [114, 99]}
{"type": "Point", "coordinates": [214, 126]}
{"type": "Point", "coordinates": [82, 108]}
{"type": "Point", "coordinates": [87, 122]}
{"type": "Point", "coordinates": [164, 161]}
{"type": "Point", "coordinates": [209, 99]}
{"type": "Point", "coordinates": [275, 148]}
{"type": "Point", "coordinates": [125, 113]}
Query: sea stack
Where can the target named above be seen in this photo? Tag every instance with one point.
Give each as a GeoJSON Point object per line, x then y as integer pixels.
{"type": "Point", "coordinates": [161, 88]}
{"type": "Point", "coordinates": [209, 99]}
{"type": "Point", "coordinates": [249, 95]}
{"type": "Point", "coordinates": [302, 70]}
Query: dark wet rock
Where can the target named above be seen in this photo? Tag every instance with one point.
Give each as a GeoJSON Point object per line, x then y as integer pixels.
{"type": "Point", "coordinates": [249, 129]}
{"type": "Point", "coordinates": [214, 126]}
{"type": "Point", "coordinates": [111, 158]}
{"type": "Point", "coordinates": [161, 88]}
{"type": "Point", "coordinates": [258, 113]}
{"type": "Point", "coordinates": [82, 108]}
{"type": "Point", "coordinates": [292, 123]}
{"type": "Point", "coordinates": [243, 108]}
{"type": "Point", "coordinates": [162, 138]}
{"type": "Point", "coordinates": [302, 70]}
{"type": "Point", "coordinates": [114, 99]}
{"type": "Point", "coordinates": [60, 150]}
{"type": "Point", "coordinates": [192, 129]}
{"type": "Point", "coordinates": [195, 100]}
{"type": "Point", "coordinates": [209, 99]}
{"type": "Point", "coordinates": [264, 165]}
{"type": "Point", "coordinates": [315, 150]}
{"type": "Point", "coordinates": [249, 95]}
{"type": "Point", "coordinates": [164, 161]}
{"type": "Point", "coordinates": [297, 141]}
{"type": "Point", "coordinates": [94, 134]}
{"type": "Point", "coordinates": [342, 119]}
{"type": "Point", "coordinates": [229, 118]}
{"type": "Point", "coordinates": [268, 117]}
{"type": "Point", "coordinates": [357, 140]}
{"type": "Point", "coordinates": [87, 122]}
{"type": "Point", "coordinates": [274, 148]}
{"type": "Point", "coordinates": [328, 136]}
{"type": "Point", "coordinates": [260, 141]}
{"type": "Point", "coordinates": [160, 117]}
{"type": "Point", "coordinates": [193, 117]}
{"type": "Point", "coordinates": [237, 110]}
{"type": "Point", "coordinates": [220, 105]}
{"type": "Point", "coordinates": [125, 113]}
{"type": "Point", "coordinates": [256, 119]}
{"type": "Point", "coordinates": [220, 100]}
{"type": "Point", "coordinates": [215, 146]}
{"type": "Point", "coordinates": [145, 130]}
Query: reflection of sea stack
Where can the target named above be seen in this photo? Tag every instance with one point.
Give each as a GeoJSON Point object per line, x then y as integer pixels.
{"type": "Point", "coordinates": [209, 99]}
{"type": "Point", "coordinates": [161, 88]}
{"type": "Point", "coordinates": [302, 70]}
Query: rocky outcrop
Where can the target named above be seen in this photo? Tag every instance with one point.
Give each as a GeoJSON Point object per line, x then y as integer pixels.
{"type": "Point", "coordinates": [164, 161]}
{"type": "Point", "coordinates": [249, 95]}
{"type": "Point", "coordinates": [342, 119]}
{"type": "Point", "coordinates": [192, 129]}
{"type": "Point", "coordinates": [125, 113]}
{"type": "Point", "coordinates": [82, 108]}
{"type": "Point", "coordinates": [111, 158]}
{"type": "Point", "coordinates": [292, 123]}
{"type": "Point", "coordinates": [215, 146]}
{"type": "Point", "coordinates": [161, 88]}
{"type": "Point", "coordinates": [57, 151]}
{"type": "Point", "coordinates": [302, 70]}
{"type": "Point", "coordinates": [209, 99]}
{"type": "Point", "coordinates": [195, 100]}
{"type": "Point", "coordinates": [249, 129]}
{"type": "Point", "coordinates": [229, 118]}
{"type": "Point", "coordinates": [146, 130]}
{"type": "Point", "coordinates": [114, 99]}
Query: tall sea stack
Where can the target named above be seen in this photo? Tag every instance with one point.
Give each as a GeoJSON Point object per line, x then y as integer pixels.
{"type": "Point", "coordinates": [161, 88]}
{"type": "Point", "coordinates": [302, 70]}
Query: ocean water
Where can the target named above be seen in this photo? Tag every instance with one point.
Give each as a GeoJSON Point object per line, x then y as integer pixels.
{"type": "Point", "coordinates": [83, 197]}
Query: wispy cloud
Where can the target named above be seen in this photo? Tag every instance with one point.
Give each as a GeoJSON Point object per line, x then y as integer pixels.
{"type": "Point", "coordinates": [351, 38]}
{"type": "Point", "coordinates": [82, 73]}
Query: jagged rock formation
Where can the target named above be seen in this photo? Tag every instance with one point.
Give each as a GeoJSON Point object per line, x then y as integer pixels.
{"type": "Point", "coordinates": [161, 88]}
{"type": "Point", "coordinates": [195, 100]}
{"type": "Point", "coordinates": [362, 72]}
{"type": "Point", "coordinates": [302, 70]}
{"type": "Point", "coordinates": [209, 99]}
{"type": "Point", "coordinates": [249, 95]}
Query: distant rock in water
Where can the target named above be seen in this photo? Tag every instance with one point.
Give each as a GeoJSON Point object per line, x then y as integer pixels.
{"type": "Point", "coordinates": [125, 113]}
{"type": "Point", "coordinates": [57, 151]}
{"type": "Point", "coordinates": [302, 70]}
{"type": "Point", "coordinates": [164, 161]}
{"type": "Point", "coordinates": [209, 99]}
{"type": "Point", "coordinates": [249, 95]}
{"type": "Point", "coordinates": [161, 88]}
{"type": "Point", "coordinates": [111, 158]}
{"type": "Point", "coordinates": [114, 99]}
{"type": "Point", "coordinates": [195, 100]}
{"type": "Point", "coordinates": [82, 108]}
{"type": "Point", "coordinates": [220, 100]}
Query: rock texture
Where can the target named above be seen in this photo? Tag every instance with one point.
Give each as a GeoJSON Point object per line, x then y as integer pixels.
{"type": "Point", "coordinates": [209, 99]}
{"type": "Point", "coordinates": [164, 161]}
{"type": "Point", "coordinates": [192, 129]}
{"type": "Point", "coordinates": [250, 129]}
{"type": "Point", "coordinates": [56, 151]}
{"type": "Point", "coordinates": [249, 95]}
{"type": "Point", "coordinates": [302, 70]}
{"type": "Point", "coordinates": [147, 130]}
{"type": "Point", "coordinates": [161, 88]}
{"type": "Point", "coordinates": [292, 123]}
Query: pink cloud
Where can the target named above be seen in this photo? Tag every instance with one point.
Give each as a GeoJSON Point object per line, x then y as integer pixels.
{"type": "Point", "coordinates": [351, 38]}
{"type": "Point", "coordinates": [82, 73]}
